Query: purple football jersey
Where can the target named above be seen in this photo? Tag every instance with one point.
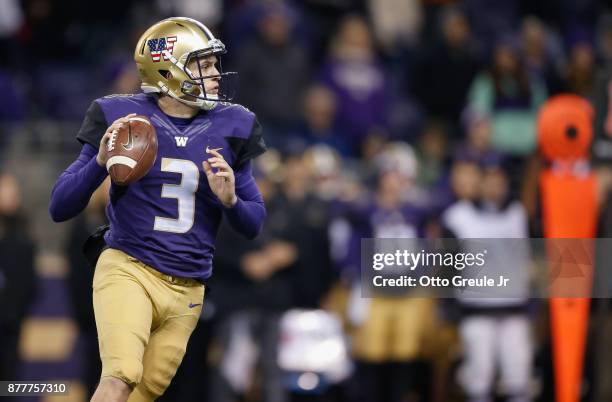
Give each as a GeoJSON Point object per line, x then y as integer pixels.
{"type": "Point", "coordinates": [169, 218]}
{"type": "Point", "coordinates": [369, 220]}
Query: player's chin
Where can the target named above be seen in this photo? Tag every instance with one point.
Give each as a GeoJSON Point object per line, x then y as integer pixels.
{"type": "Point", "coordinates": [212, 94]}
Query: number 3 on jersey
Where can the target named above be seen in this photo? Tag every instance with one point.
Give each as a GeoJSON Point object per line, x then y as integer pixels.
{"type": "Point", "coordinates": [183, 192]}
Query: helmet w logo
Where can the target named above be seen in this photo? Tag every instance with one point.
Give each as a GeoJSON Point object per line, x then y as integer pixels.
{"type": "Point", "coordinates": [157, 47]}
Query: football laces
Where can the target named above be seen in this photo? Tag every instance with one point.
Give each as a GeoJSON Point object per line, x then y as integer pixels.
{"type": "Point", "coordinates": [111, 142]}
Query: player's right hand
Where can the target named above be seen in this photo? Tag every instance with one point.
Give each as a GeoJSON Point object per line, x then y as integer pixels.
{"type": "Point", "coordinates": [115, 126]}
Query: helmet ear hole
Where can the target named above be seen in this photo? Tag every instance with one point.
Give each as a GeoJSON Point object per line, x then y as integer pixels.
{"type": "Point", "coordinates": [165, 74]}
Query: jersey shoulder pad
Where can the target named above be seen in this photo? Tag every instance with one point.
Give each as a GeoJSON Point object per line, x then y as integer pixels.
{"type": "Point", "coordinates": [238, 116]}
{"type": "Point", "coordinates": [246, 136]}
{"type": "Point", "coordinates": [93, 126]}
{"type": "Point", "coordinates": [103, 111]}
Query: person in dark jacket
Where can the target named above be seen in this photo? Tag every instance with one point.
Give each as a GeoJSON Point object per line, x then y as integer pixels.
{"type": "Point", "coordinates": [287, 266]}
{"type": "Point", "coordinates": [274, 72]}
{"type": "Point", "coordinates": [17, 276]}
{"type": "Point", "coordinates": [444, 71]}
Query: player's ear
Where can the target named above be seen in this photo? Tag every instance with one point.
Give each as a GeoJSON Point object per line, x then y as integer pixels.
{"type": "Point", "coordinates": [168, 75]}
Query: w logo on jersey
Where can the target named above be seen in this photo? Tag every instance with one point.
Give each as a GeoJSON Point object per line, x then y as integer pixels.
{"type": "Point", "coordinates": [157, 47]}
{"type": "Point", "coordinates": [181, 141]}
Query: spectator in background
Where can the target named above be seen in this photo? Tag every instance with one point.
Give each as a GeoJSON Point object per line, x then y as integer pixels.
{"type": "Point", "coordinates": [11, 20]}
{"type": "Point", "coordinates": [389, 328]}
{"type": "Point", "coordinates": [495, 332]}
{"type": "Point", "coordinates": [358, 81]}
{"type": "Point", "coordinates": [477, 144]}
{"type": "Point", "coordinates": [252, 288]}
{"type": "Point", "coordinates": [581, 70]}
{"type": "Point", "coordinates": [465, 179]}
{"type": "Point", "coordinates": [274, 72]}
{"type": "Point", "coordinates": [209, 11]}
{"type": "Point", "coordinates": [331, 179]}
{"type": "Point", "coordinates": [80, 280]}
{"type": "Point", "coordinates": [318, 121]}
{"type": "Point", "coordinates": [17, 276]}
{"type": "Point", "coordinates": [431, 153]}
{"type": "Point", "coordinates": [507, 93]}
{"type": "Point", "coordinates": [306, 219]}
{"type": "Point", "coordinates": [460, 182]}
{"type": "Point", "coordinates": [322, 18]}
{"type": "Point", "coordinates": [489, 19]}
{"type": "Point", "coordinates": [542, 59]}
{"type": "Point", "coordinates": [338, 181]}
{"type": "Point", "coordinates": [602, 141]}
{"type": "Point", "coordinates": [444, 70]}
{"type": "Point", "coordinates": [396, 23]}
{"type": "Point", "coordinates": [604, 40]}
{"type": "Point", "coordinates": [287, 266]}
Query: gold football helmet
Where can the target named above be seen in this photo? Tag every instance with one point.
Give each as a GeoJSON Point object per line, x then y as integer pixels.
{"type": "Point", "coordinates": [166, 49]}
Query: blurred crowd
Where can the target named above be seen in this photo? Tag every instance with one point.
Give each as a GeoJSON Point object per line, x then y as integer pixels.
{"type": "Point", "coordinates": [384, 118]}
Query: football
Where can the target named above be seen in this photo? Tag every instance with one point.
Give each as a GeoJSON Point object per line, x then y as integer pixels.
{"type": "Point", "coordinates": [131, 151]}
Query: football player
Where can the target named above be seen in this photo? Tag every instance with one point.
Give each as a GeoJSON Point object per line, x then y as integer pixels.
{"type": "Point", "coordinates": [148, 287]}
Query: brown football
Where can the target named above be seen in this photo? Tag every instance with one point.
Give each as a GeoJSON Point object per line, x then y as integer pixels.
{"type": "Point", "coordinates": [132, 151]}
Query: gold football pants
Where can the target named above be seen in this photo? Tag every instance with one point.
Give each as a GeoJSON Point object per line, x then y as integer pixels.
{"type": "Point", "coordinates": [144, 320]}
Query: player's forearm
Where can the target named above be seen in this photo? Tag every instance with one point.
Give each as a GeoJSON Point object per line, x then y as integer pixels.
{"type": "Point", "coordinates": [75, 186]}
{"type": "Point", "coordinates": [247, 217]}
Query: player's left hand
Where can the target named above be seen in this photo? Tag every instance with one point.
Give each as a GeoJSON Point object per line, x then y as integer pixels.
{"type": "Point", "coordinates": [222, 182]}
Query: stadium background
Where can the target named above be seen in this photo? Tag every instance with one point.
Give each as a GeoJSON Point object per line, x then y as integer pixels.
{"type": "Point", "coordinates": [340, 87]}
